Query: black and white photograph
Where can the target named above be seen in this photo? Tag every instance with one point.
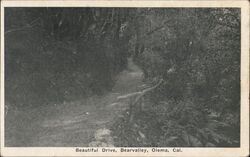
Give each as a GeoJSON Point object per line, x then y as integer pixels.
{"type": "Point", "coordinates": [142, 77]}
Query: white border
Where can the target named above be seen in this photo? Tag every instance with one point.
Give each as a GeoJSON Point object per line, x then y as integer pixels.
{"type": "Point", "coordinates": [187, 151]}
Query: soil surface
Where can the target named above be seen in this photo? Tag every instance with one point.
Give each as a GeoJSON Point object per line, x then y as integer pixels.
{"type": "Point", "coordinates": [83, 122]}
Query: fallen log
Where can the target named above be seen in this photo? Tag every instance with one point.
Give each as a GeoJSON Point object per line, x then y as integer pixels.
{"type": "Point", "coordinates": [138, 97]}
{"type": "Point", "coordinates": [140, 93]}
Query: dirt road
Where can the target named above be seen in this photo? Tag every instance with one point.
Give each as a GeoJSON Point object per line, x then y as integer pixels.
{"type": "Point", "coordinates": [78, 123]}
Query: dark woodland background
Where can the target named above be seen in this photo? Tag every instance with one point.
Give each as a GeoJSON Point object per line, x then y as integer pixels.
{"type": "Point", "coordinates": [54, 55]}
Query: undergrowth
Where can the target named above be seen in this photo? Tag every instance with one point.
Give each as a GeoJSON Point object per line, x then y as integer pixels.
{"type": "Point", "coordinates": [172, 124]}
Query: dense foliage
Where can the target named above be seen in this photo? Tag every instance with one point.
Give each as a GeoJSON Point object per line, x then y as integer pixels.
{"type": "Point", "coordinates": [60, 54]}
{"type": "Point", "coordinates": [197, 53]}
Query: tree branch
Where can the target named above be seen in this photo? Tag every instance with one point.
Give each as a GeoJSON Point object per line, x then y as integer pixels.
{"type": "Point", "coordinates": [140, 94]}
{"type": "Point", "coordinates": [17, 29]}
{"type": "Point", "coordinates": [30, 25]}
{"type": "Point", "coordinates": [157, 28]}
{"type": "Point", "coordinates": [146, 91]}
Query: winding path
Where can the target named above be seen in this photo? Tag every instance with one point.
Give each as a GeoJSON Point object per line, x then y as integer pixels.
{"type": "Point", "coordinates": [78, 123]}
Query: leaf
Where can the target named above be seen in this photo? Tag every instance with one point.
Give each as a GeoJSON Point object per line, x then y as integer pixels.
{"type": "Point", "coordinates": [210, 145]}
{"type": "Point", "coordinates": [141, 134]}
{"type": "Point", "coordinates": [185, 138]}
{"type": "Point", "coordinates": [213, 115]}
{"type": "Point", "coordinates": [218, 137]}
{"type": "Point", "coordinates": [203, 133]}
{"type": "Point", "coordinates": [170, 139]}
{"type": "Point", "coordinates": [194, 141]}
{"type": "Point", "coordinates": [216, 124]}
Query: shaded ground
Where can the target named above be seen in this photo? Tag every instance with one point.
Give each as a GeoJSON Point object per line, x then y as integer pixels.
{"type": "Point", "coordinates": [78, 123]}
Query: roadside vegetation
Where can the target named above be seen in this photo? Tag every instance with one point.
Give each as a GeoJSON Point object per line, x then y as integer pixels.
{"type": "Point", "coordinates": [54, 55]}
